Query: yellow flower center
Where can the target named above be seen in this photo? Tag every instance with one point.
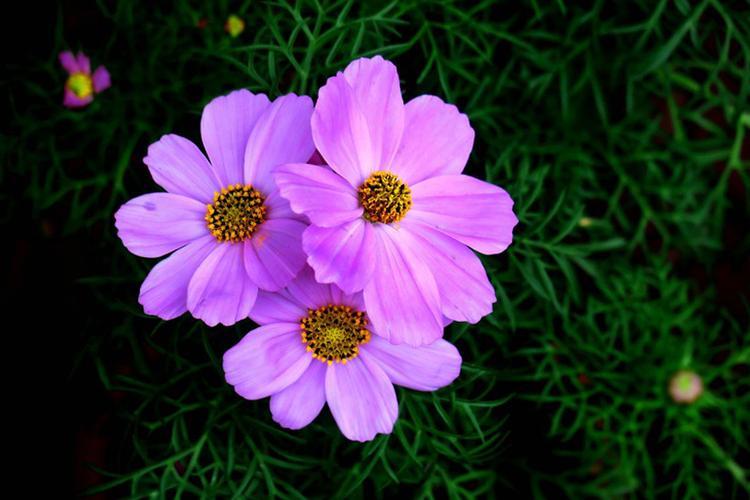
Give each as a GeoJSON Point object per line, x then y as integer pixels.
{"type": "Point", "coordinates": [234, 26]}
{"type": "Point", "coordinates": [384, 197]}
{"type": "Point", "coordinates": [236, 213]}
{"type": "Point", "coordinates": [334, 333]}
{"type": "Point", "coordinates": [81, 85]}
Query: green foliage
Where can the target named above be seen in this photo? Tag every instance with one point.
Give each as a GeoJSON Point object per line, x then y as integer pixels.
{"type": "Point", "coordinates": [618, 128]}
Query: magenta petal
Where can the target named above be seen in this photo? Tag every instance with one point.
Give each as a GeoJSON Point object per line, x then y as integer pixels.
{"type": "Point", "coordinates": [378, 93]}
{"type": "Point", "coordinates": [220, 291]}
{"type": "Point", "coordinates": [466, 293]}
{"type": "Point", "coordinates": [70, 100]}
{"type": "Point", "coordinates": [225, 128]}
{"type": "Point", "coordinates": [277, 207]}
{"type": "Point", "coordinates": [425, 368]}
{"type": "Point", "coordinates": [101, 79]}
{"type": "Point", "coordinates": [299, 404]}
{"type": "Point", "coordinates": [164, 291]}
{"type": "Point", "coordinates": [266, 360]}
{"type": "Point", "coordinates": [282, 135]}
{"type": "Point", "coordinates": [474, 212]}
{"type": "Point", "coordinates": [68, 61]}
{"type": "Point", "coordinates": [341, 133]}
{"type": "Point", "coordinates": [277, 307]}
{"type": "Point", "coordinates": [361, 398]}
{"type": "Point", "coordinates": [402, 298]}
{"type": "Point", "coordinates": [437, 140]}
{"type": "Point", "coordinates": [318, 193]}
{"type": "Point", "coordinates": [84, 64]}
{"type": "Point", "coordinates": [344, 255]}
{"type": "Point", "coordinates": [177, 165]}
{"type": "Point", "coordinates": [311, 294]}
{"type": "Point", "coordinates": [158, 223]}
{"type": "Point", "coordinates": [274, 256]}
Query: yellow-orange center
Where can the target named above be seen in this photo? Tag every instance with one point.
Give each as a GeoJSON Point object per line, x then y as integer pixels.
{"type": "Point", "coordinates": [236, 213]}
{"type": "Point", "coordinates": [334, 333]}
{"type": "Point", "coordinates": [384, 197]}
{"type": "Point", "coordinates": [81, 85]}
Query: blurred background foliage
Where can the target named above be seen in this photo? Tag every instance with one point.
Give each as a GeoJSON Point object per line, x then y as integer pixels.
{"type": "Point", "coordinates": [621, 129]}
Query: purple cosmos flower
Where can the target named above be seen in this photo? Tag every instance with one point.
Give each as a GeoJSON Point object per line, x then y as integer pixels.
{"type": "Point", "coordinates": [314, 346]}
{"type": "Point", "coordinates": [232, 231]}
{"type": "Point", "coordinates": [393, 214]}
{"type": "Point", "coordinates": [82, 85]}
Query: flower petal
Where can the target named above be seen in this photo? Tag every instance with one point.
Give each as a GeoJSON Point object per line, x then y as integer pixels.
{"type": "Point", "coordinates": [266, 360]}
{"type": "Point", "coordinates": [164, 291]}
{"type": "Point", "coordinates": [344, 255]}
{"type": "Point", "coordinates": [466, 293]}
{"type": "Point", "coordinates": [277, 307]}
{"type": "Point", "coordinates": [226, 125]}
{"type": "Point", "coordinates": [220, 290]}
{"type": "Point", "coordinates": [101, 79]}
{"type": "Point", "coordinates": [68, 61]}
{"type": "Point", "coordinates": [274, 256]}
{"type": "Point", "coordinates": [425, 368]}
{"type": "Point", "coordinates": [84, 64]}
{"type": "Point", "coordinates": [341, 133]}
{"type": "Point", "coordinates": [299, 404]}
{"type": "Point", "coordinates": [437, 140]}
{"type": "Point", "coordinates": [474, 212]}
{"type": "Point", "coordinates": [402, 298]}
{"type": "Point", "coordinates": [378, 93]}
{"type": "Point", "coordinates": [177, 165]}
{"type": "Point", "coordinates": [277, 207]}
{"type": "Point", "coordinates": [361, 398]}
{"type": "Point", "coordinates": [282, 135]}
{"type": "Point", "coordinates": [155, 224]}
{"type": "Point", "coordinates": [318, 193]}
{"type": "Point", "coordinates": [70, 100]}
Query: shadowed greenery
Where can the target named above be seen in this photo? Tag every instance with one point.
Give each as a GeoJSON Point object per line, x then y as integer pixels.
{"type": "Point", "coordinates": [618, 128]}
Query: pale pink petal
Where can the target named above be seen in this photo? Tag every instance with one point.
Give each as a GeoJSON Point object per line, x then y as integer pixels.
{"type": "Point", "coordinates": [344, 255]}
{"type": "Point", "coordinates": [402, 298]}
{"type": "Point", "coordinates": [278, 208]}
{"type": "Point", "coordinates": [425, 368]}
{"type": "Point", "coordinates": [282, 135]}
{"type": "Point", "coordinates": [319, 193]}
{"type": "Point", "coordinates": [274, 256]}
{"type": "Point", "coordinates": [378, 93]}
{"type": "Point", "coordinates": [164, 291]}
{"type": "Point", "coordinates": [101, 79]}
{"type": "Point", "coordinates": [437, 140]}
{"type": "Point", "coordinates": [154, 224]}
{"type": "Point", "coordinates": [361, 398]}
{"type": "Point", "coordinates": [474, 212]}
{"type": "Point", "coordinates": [299, 404]}
{"type": "Point", "coordinates": [220, 291]}
{"type": "Point", "coordinates": [226, 125]}
{"type": "Point", "coordinates": [266, 360]}
{"type": "Point", "coordinates": [277, 307]}
{"type": "Point", "coordinates": [177, 165]}
{"type": "Point", "coordinates": [68, 61]}
{"type": "Point", "coordinates": [307, 291]}
{"type": "Point", "coordinates": [341, 134]}
{"type": "Point", "coordinates": [466, 293]}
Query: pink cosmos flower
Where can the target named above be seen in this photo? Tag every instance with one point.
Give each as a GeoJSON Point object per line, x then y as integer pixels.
{"type": "Point", "coordinates": [314, 346]}
{"type": "Point", "coordinates": [230, 230]}
{"type": "Point", "coordinates": [81, 84]}
{"type": "Point", "coordinates": [393, 214]}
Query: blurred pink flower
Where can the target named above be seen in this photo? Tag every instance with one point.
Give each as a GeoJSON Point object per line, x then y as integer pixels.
{"type": "Point", "coordinates": [82, 84]}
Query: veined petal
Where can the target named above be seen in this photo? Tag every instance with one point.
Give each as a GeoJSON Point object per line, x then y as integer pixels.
{"type": "Point", "coordinates": [282, 135]}
{"type": "Point", "coordinates": [155, 224]}
{"type": "Point", "coordinates": [226, 125]}
{"type": "Point", "coordinates": [299, 404]}
{"type": "Point", "coordinates": [425, 368]}
{"type": "Point", "coordinates": [361, 398]}
{"type": "Point", "coordinates": [474, 212]}
{"type": "Point", "coordinates": [177, 165]}
{"type": "Point", "coordinates": [318, 193]}
{"type": "Point", "coordinates": [220, 291]}
{"type": "Point", "coordinates": [437, 140]}
{"type": "Point", "coordinates": [266, 360]}
{"type": "Point", "coordinates": [274, 256]}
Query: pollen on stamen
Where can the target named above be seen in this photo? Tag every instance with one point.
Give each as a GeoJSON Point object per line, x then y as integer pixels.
{"type": "Point", "coordinates": [236, 213]}
{"type": "Point", "coordinates": [384, 197]}
{"type": "Point", "coordinates": [333, 333]}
